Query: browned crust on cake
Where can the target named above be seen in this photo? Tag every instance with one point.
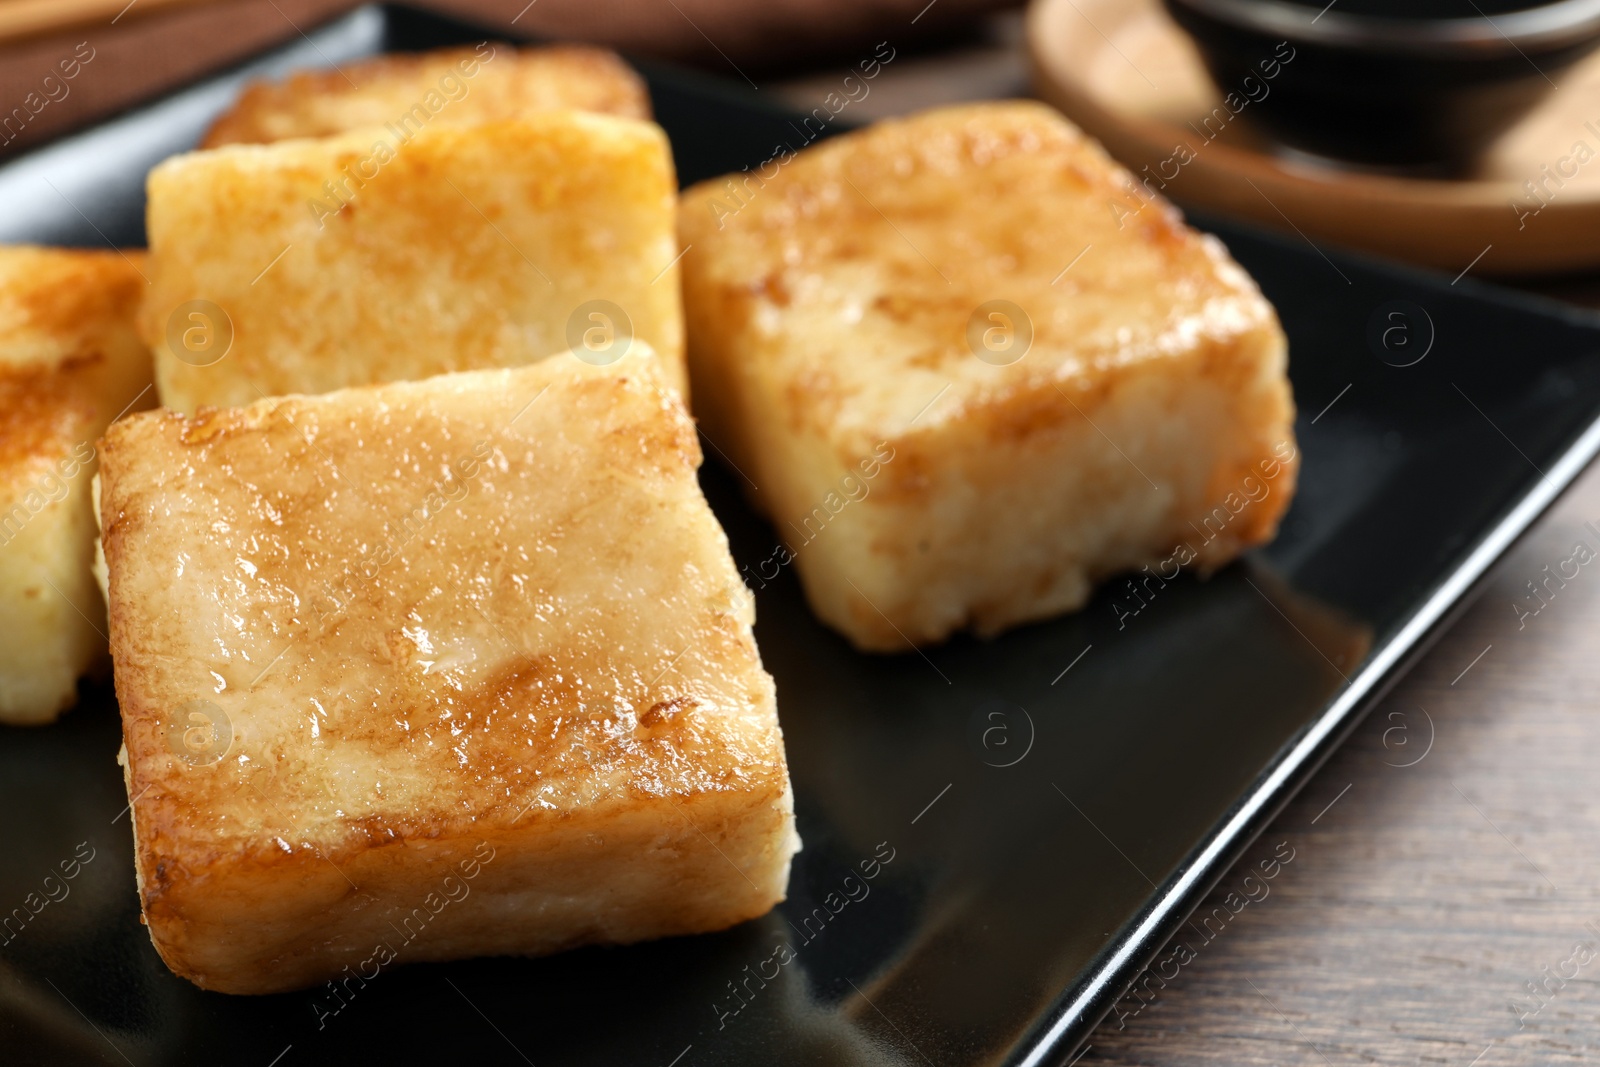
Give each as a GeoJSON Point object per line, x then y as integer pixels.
{"type": "Point", "coordinates": [683, 735]}
{"type": "Point", "coordinates": [399, 276]}
{"type": "Point", "coordinates": [829, 296]}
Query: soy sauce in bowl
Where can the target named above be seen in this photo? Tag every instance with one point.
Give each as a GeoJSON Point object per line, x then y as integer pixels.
{"type": "Point", "coordinates": [1397, 83]}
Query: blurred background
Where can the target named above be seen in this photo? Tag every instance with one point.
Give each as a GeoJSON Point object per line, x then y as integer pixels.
{"type": "Point", "coordinates": [156, 45]}
{"type": "Point", "coordinates": [1455, 134]}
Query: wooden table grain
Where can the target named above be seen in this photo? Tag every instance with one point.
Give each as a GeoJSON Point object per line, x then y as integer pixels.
{"type": "Point", "coordinates": [1442, 903]}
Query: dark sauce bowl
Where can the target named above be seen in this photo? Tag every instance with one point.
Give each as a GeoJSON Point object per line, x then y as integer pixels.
{"type": "Point", "coordinates": [1395, 83]}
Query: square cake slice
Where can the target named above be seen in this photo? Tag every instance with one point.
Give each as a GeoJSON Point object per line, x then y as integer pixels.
{"type": "Point", "coordinates": [452, 85]}
{"type": "Point", "coordinates": [432, 670]}
{"type": "Point", "coordinates": [973, 369]}
{"type": "Point", "coordinates": [70, 361]}
{"type": "Point", "coordinates": [311, 265]}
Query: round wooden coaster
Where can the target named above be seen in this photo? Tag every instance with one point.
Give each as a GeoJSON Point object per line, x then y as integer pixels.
{"type": "Point", "coordinates": [1126, 73]}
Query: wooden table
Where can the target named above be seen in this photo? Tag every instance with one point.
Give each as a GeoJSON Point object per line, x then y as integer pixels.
{"type": "Point", "coordinates": [1447, 857]}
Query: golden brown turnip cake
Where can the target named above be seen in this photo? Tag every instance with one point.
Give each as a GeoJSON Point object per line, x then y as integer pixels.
{"type": "Point", "coordinates": [973, 371]}
{"type": "Point", "coordinates": [307, 266]}
{"type": "Point", "coordinates": [70, 361]}
{"type": "Point", "coordinates": [452, 85]}
{"type": "Point", "coordinates": [431, 670]}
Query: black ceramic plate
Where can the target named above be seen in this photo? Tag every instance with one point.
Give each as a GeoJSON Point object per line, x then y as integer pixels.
{"type": "Point", "coordinates": [1042, 810]}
